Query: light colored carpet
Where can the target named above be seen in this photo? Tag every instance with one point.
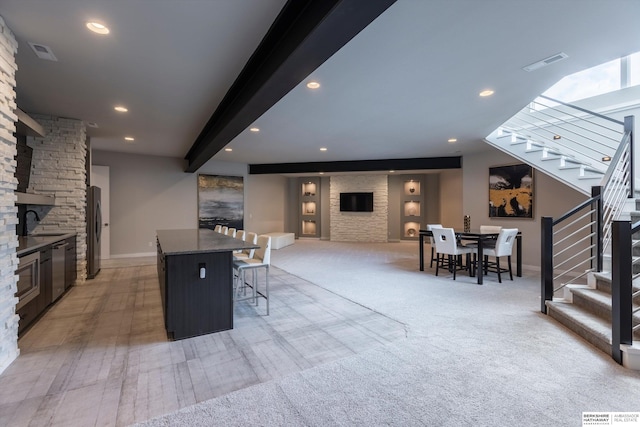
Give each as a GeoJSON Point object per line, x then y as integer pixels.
{"type": "Point", "coordinates": [476, 355]}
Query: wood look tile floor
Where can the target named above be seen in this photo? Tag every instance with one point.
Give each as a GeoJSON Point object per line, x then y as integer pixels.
{"type": "Point", "coordinates": [100, 355]}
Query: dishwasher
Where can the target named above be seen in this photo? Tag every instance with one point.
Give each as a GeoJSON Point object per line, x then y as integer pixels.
{"type": "Point", "coordinates": [57, 269]}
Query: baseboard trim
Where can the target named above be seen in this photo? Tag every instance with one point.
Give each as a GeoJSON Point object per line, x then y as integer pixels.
{"type": "Point", "coordinates": [133, 255]}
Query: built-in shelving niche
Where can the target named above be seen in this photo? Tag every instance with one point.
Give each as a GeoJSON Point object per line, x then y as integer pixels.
{"type": "Point", "coordinates": [309, 207]}
{"type": "Point", "coordinates": [411, 206]}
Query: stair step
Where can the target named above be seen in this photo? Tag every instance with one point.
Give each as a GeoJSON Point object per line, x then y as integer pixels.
{"type": "Point", "coordinates": [592, 328]}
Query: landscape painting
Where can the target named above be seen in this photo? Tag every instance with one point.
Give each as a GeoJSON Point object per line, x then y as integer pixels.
{"type": "Point", "coordinates": [220, 201]}
{"type": "Point", "coordinates": [511, 191]}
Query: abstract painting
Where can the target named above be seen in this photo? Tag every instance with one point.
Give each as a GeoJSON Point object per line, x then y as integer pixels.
{"type": "Point", "coordinates": [511, 191]}
{"type": "Point", "coordinates": [220, 201]}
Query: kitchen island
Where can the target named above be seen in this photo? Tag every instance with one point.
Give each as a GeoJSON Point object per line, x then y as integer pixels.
{"type": "Point", "coordinates": [195, 271]}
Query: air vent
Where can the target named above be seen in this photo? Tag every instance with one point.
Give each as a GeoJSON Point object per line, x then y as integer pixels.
{"type": "Point", "coordinates": [547, 61]}
{"type": "Point", "coordinates": [43, 52]}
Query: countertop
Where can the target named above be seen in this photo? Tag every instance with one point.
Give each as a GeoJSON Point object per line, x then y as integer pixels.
{"type": "Point", "coordinates": [36, 241]}
{"type": "Point", "coordinates": [191, 241]}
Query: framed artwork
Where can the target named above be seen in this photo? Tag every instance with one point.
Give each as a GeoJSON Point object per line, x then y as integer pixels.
{"type": "Point", "coordinates": [220, 201]}
{"type": "Point", "coordinates": [511, 191]}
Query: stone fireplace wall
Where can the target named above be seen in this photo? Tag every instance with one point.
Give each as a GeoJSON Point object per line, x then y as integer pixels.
{"type": "Point", "coordinates": [8, 211]}
{"type": "Point", "coordinates": [59, 169]}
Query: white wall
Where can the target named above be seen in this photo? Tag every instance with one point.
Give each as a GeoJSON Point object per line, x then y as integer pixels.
{"type": "Point", "coordinates": [150, 193]}
{"type": "Point", "coordinates": [265, 203]}
{"type": "Point", "coordinates": [551, 198]}
{"type": "Point", "coordinates": [451, 203]}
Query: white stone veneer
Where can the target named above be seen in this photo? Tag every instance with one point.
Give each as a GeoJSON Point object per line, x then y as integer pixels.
{"type": "Point", "coordinates": [58, 169]}
{"type": "Point", "coordinates": [8, 210]}
{"type": "Point", "coordinates": [360, 226]}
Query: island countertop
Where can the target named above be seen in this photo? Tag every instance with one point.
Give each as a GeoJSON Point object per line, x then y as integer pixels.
{"type": "Point", "coordinates": [192, 241]}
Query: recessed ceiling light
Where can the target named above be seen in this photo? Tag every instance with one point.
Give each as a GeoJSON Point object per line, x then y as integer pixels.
{"type": "Point", "coordinates": [556, 137]}
{"type": "Point", "coordinates": [129, 138]}
{"type": "Point", "coordinates": [487, 92]}
{"type": "Point", "coordinates": [255, 129]}
{"type": "Point", "coordinates": [452, 140]}
{"type": "Point", "coordinates": [321, 173]}
{"type": "Point", "coordinates": [391, 171]}
{"type": "Point", "coordinates": [97, 27]}
{"type": "Point", "coordinates": [313, 85]}
{"type": "Point", "coordinates": [606, 159]}
{"type": "Point", "coordinates": [323, 149]}
{"type": "Point", "coordinates": [121, 109]}
{"type": "Point", "coordinates": [228, 149]}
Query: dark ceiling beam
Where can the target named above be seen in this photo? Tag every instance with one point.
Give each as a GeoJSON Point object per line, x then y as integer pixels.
{"type": "Point", "coordinates": [358, 166]}
{"type": "Point", "coordinates": [304, 35]}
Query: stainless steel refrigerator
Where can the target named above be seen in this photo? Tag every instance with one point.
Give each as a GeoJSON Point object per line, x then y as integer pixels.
{"type": "Point", "coordinates": [94, 231]}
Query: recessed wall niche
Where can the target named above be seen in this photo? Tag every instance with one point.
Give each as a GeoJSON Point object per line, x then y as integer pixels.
{"type": "Point", "coordinates": [309, 207]}
{"type": "Point", "coordinates": [412, 207]}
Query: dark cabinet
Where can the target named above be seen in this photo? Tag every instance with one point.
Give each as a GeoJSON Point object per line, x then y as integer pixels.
{"type": "Point", "coordinates": [195, 305]}
{"type": "Point", "coordinates": [70, 261]}
{"type": "Point", "coordinates": [46, 283]}
{"type": "Point", "coordinates": [30, 312]}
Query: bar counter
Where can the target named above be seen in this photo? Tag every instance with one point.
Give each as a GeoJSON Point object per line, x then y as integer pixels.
{"type": "Point", "coordinates": [195, 271]}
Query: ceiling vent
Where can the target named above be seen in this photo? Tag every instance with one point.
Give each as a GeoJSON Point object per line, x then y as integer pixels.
{"type": "Point", "coordinates": [43, 52]}
{"type": "Point", "coordinates": [547, 61]}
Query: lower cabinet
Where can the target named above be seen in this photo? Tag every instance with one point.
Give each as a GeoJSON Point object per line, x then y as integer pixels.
{"type": "Point", "coordinates": [196, 305]}
{"type": "Point", "coordinates": [70, 261]}
{"type": "Point", "coordinates": [30, 311]}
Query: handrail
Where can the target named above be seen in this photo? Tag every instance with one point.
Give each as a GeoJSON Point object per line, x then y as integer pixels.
{"type": "Point", "coordinates": [576, 209]}
{"type": "Point", "coordinates": [584, 110]}
{"type": "Point", "coordinates": [616, 158]}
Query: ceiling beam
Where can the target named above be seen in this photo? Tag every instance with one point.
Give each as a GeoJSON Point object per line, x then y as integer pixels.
{"type": "Point", "coordinates": [424, 163]}
{"type": "Point", "coordinates": [304, 35]}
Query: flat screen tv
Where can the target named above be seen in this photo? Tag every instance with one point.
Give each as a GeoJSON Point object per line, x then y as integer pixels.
{"type": "Point", "coordinates": [356, 202]}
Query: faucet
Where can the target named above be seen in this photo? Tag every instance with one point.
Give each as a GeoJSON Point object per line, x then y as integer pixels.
{"type": "Point", "coordinates": [24, 221]}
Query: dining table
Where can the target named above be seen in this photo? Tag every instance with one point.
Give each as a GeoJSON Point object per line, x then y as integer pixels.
{"type": "Point", "coordinates": [481, 240]}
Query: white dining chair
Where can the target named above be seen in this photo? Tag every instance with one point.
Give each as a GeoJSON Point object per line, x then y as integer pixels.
{"type": "Point", "coordinates": [430, 227]}
{"type": "Point", "coordinates": [218, 228]}
{"type": "Point", "coordinates": [446, 244]}
{"type": "Point", "coordinates": [503, 248]}
{"type": "Point", "coordinates": [231, 232]}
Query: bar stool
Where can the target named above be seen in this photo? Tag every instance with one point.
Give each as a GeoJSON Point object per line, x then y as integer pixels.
{"type": "Point", "coordinates": [261, 259]}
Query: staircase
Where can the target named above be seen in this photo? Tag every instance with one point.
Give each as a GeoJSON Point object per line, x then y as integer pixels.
{"type": "Point", "coordinates": [593, 154]}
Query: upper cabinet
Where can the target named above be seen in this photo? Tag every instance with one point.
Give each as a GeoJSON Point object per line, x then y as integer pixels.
{"type": "Point", "coordinates": [26, 126]}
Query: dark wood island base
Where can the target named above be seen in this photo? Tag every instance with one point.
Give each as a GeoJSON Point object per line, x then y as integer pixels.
{"type": "Point", "coordinates": [195, 271]}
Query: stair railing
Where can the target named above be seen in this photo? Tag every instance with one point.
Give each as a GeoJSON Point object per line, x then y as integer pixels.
{"type": "Point", "coordinates": [622, 293]}
{"type": "Point", "coordinates": [565, 128]}
{"type": "Point", "coordinates": [573, 244]}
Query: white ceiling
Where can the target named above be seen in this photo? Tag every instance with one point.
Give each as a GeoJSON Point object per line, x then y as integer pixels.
{"type": "Point", "coordinates": [399, 89]}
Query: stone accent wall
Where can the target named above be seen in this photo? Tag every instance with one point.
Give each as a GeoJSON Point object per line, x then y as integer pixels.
{"type": "Point", "coordinates": [360, 226]}
{"type": "Point", "coordinates": [8, 211]}
{"type": "Point", "coordinates": [58, 169]}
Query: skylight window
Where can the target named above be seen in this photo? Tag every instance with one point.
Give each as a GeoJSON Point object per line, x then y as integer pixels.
{"type": "Point", "coordinates": [601, 79]}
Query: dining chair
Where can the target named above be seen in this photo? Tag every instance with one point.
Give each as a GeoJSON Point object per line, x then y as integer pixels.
{"type": "Point", "coordinates": [218, 228]}
{"type": "Point", "coordinates": [503, 247]}
{"type": "Point", "coordinates": [231, 232]}
{"type": "Point", "coordinates": [486, 229]}
{"type": "Point", "coordinates": [446, 244]}
{"type": "Point", "coordinates": [261, 259]}
{"type": "Point", "coordinates": [430, 227]}
{"type": "Point", "coordinates": [225, 229]}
